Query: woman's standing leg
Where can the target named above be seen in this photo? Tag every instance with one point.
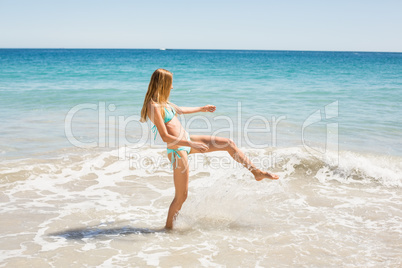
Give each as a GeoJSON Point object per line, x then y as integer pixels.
{"type": "Point", "coordinates": [180, 177]}
{"type": "Point", "coordinates": [216, 143]}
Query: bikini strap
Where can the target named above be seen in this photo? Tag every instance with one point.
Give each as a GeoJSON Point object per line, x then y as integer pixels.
{"type": "Point", "coordinates": [173, 109]}
{"type": "Point", "coordinates": [154, 130]}
{"type": "Point", "coordinates": [173, 158]}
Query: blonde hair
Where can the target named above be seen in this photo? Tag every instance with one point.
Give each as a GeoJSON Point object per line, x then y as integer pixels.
{"type": "Point", "coordinates": [158, 91]}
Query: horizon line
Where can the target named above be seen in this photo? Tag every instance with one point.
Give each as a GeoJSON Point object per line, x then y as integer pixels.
{"type": "Point", "coordinates": [233, 49]}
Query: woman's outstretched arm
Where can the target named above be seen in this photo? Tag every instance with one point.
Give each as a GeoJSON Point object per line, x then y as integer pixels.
{"type": "Point", "coordinates": [191, 110]}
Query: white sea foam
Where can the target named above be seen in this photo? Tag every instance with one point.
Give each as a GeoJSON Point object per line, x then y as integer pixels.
{"type": "Point", "coordinates": [105, 211]}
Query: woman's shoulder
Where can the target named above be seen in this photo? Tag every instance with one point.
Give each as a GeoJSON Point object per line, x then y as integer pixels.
{"type": "Point", "coordinates": [152, 103]}
{"type": "Point", "coordinates": [171, 104]}
{"type": "Point", "coordinates": [175, 108]}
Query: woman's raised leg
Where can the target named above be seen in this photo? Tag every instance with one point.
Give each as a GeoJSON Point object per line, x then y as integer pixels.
{"type": "Point", "coordinates": [216, 143]}
{"type": "Point", "coordinates": [180, 177]}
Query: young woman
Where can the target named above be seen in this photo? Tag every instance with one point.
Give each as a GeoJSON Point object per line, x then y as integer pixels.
{"type": "Point", "coordinates": [179, 142]}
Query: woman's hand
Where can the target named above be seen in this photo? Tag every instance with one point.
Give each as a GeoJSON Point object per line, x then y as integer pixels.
{"type": "Point", "coordinates": [200, 146]}
{"type": "Point", "coordinates": [208, 108]}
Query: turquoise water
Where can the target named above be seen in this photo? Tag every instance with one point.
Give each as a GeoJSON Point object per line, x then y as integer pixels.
{"type": "Point", "coordinates": [330, 127]}
{"type": "Point", "coordinates": [39, 86]}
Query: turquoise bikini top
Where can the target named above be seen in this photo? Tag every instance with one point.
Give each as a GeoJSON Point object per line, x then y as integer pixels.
{"type": "Point", "coordinates": [169, 114]}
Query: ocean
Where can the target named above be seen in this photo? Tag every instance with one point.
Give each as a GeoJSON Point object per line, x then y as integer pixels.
{"type": "Point", "coordinates": [83, 183]}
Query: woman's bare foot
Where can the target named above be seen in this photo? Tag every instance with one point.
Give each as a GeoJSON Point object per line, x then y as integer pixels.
{"type": "Point", "coordinates": [260, 175]}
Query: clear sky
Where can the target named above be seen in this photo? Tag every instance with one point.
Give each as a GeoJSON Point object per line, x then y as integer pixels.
{"type": "Point", "coordinates": [334, 25]}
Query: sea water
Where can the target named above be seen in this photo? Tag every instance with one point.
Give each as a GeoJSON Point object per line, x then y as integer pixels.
{"type": "Point", "coordinates": [84, 183]}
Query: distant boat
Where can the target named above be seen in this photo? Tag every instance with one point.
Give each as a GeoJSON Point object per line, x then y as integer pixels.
{"type": "Point", "coordinates": [162, 49]}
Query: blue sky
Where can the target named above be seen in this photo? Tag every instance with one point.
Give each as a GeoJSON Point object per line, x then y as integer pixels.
{"type": "Point", "coordinates": [353, 25]}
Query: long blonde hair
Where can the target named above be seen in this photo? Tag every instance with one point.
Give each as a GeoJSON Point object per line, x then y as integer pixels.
{"type": "Point", "coordinates": [159, 86]}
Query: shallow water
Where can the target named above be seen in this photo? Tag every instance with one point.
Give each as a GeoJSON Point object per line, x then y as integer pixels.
{"type": "Point", "coordinates": [99, 210]}
{"type": "Point", "coordinates": [39, 88]}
